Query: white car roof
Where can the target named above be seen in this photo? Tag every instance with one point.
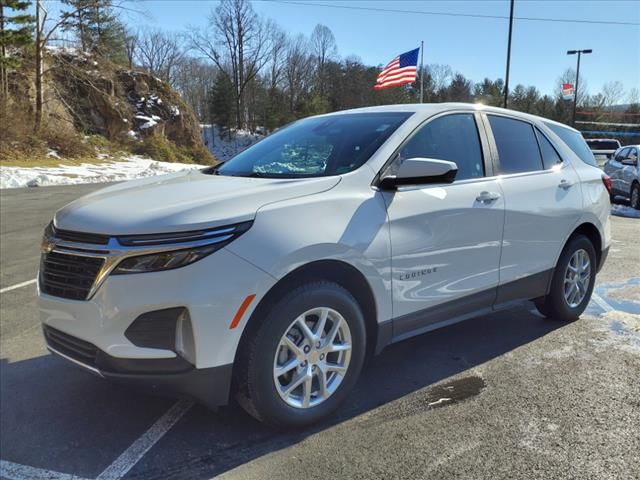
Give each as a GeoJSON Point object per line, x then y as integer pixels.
{"type": "Point", "coordinates": [434, 108]}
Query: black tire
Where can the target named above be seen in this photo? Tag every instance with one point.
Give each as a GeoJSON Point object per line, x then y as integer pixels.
{"type": "Point", "coordinates": [256, 391]}
{"type": "Point", "coordinates": [554, 306]}
{"type": "Point", "coordinates": [635, 203]}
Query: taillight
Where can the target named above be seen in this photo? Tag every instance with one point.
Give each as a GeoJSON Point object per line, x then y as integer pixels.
{"type": "Point", "coordinates": [606, 179]}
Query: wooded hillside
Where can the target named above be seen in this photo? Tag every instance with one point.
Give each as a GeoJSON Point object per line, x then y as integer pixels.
{"type": "Point", "coordinates": [240, 71]}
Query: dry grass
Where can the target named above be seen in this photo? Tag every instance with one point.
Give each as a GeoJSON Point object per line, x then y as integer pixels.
{"type": "Point", "coordinates": [21, 160]}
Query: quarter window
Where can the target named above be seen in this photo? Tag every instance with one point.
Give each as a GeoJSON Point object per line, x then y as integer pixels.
{"type": "Point", "coordinates": [549, 155]}
{"type": "Point", "coordinates": [575, 142]}
{"type": "Point", "coordinates": [452, 137]}
{"type": "Point", "coordinates": [517, 145]}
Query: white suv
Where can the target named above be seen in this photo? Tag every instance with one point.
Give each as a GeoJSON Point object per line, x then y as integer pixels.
{"type": "Point", "coordinates": [270, 277]}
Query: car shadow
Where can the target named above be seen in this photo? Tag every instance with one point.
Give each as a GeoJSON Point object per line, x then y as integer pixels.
{"type": "Point", "coordinates": [213, 444]}
{"type": "Point", "coordinates": [79, 424]}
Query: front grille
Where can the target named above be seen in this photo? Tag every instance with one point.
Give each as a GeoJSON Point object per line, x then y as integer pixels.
{"type": "Point", "coordinates": [67, 275]}
{"type": "Point", "coordinates": [80, 237]}
{"type": "Point", "coordinates": [73, 347]}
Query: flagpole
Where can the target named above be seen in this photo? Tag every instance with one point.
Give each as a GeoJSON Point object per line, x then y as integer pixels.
{"type": "Point", "coordinates": [421, 71]}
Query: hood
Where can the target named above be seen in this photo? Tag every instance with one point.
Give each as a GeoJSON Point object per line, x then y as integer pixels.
{"type": "Point", "coordinates": [180, 202]}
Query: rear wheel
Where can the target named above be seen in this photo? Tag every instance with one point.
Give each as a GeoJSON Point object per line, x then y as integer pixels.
{"type": "Point", "coordinates": [635, 196]}
{"type": "Point", "coordinates": [572, 283]}
{"type": "Point", "coordinates": [304, 358]}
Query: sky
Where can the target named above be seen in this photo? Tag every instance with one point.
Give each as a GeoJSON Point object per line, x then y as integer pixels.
{"type": "Point", "coordinates": [475, 47]}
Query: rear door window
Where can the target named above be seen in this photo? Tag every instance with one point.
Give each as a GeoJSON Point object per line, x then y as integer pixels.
{"type": "Point", "coordinates": [575, 142]}
{"type": "Point", "coordinates": [518, 150]}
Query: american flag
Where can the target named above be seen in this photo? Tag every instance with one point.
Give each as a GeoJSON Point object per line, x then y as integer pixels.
{"type": "Point", "coordinates": [401, 70]}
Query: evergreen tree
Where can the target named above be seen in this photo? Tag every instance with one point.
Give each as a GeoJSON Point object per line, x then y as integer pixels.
{"type": "Point", "coordinates": [222, 102]}
{"type": "Point", "coordinates": [97, 28]}
{"type": "Point", "coordinates": [16, 32]}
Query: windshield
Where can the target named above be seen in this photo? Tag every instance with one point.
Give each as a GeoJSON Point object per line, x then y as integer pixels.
{"type": "Point", "coordinates": [603, 144]}
{"type": "Point", "coordinates": [315, 147]}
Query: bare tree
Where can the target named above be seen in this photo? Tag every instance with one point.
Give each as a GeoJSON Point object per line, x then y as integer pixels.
{"type": "Point", "coordinates": [236, 41]}
{"type": "Point", "coordinates": [324, 48]}
{"type": "Point", "coordinates": [277, 55]}
{"type": "Point", "coordinates": [194, 79]}
{"type": "Point", "coordinates": [159, 53]}
{"type": "Point", "coordinates": [298, 70]}
{"type": "Point", "coordinates": [131, 46]}
{"type": "Point", "coordinates": [441, 76]}
{"type": "Point", "coordinates": [613, 93]}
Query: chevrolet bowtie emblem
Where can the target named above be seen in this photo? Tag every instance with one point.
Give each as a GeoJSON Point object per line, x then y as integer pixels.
{"type": "Point", "coordinates": [47, 244]}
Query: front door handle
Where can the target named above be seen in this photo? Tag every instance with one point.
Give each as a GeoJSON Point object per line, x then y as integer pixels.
{"type": "Point", "coordinates": [487, 197]}
{"type": "Point", "coordinates": [565, 184]}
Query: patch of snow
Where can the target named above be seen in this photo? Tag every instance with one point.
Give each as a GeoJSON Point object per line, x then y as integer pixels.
{"type": "Point", "coordinates": [624, 211]}
{"type": "Point", "coordinates": [57, 49]}
{"type": "Point", "coordinates": [52, 154]}
{"type": "Point", "coordinates": [149, 122]}
{"type": "Point", "coordinates": [227, 146]}
{"type": "Point", "coordinates": [128, 169]}
{"type": "Point", "coordinates": [175, 111]}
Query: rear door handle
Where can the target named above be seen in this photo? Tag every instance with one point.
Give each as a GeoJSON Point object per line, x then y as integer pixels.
{"type": "Point", "coordinates": [487, 197]}
{"type": "Point", "coordinates": [565, 184]}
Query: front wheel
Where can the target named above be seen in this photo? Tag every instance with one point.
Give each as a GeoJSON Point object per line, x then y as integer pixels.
{"type": "Point", "coordinates": [572, 283]}
{"type": "Point", "coordinates": [304, 358]}
{"type": "Point", "coordinates": [635, 196]}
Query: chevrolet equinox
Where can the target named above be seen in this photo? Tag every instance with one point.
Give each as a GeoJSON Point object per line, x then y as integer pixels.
{"type": "Point", "coordinates": [271, 277]}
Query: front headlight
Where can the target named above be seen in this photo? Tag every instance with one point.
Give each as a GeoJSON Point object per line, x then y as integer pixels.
{"type": "Point", "coordinates": [165, 260]}
{"type": "Point", "coordinates": [174, 250]}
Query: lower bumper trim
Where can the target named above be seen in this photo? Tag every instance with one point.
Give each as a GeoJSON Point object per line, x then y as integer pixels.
{"type": "Point", "coordinates": [84, 366]}
{"type": "Point", "coordinates": [207, 386]}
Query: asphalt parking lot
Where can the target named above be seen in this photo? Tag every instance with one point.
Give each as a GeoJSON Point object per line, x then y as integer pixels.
{"type": "Point", "coordinates": [509, 395]}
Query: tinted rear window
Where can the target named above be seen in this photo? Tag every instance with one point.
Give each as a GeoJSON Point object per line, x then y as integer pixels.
{"type": "Point", "coordinates": [575, 142]}
{"type": "Point", "coordinates": [517, 145]}
{"type": "Point", "coordinates": [603, 145]}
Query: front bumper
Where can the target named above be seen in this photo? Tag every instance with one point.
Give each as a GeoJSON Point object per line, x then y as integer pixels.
{"type": "Point", "coordinates": [210, 290]}
{"type": "Point", "coordinates": [173, 377]}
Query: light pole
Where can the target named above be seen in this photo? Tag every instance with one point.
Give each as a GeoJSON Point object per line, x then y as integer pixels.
{"type": "Point", "coordinates": [575, 91]}
{"type": "Point", "coordinates": [506, 80]}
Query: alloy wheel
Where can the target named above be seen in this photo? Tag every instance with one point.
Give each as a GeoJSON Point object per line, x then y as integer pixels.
{"type": "Point", "coordinates": [577, 278]}
{"type": "Point", "coordinates": [312, 357]}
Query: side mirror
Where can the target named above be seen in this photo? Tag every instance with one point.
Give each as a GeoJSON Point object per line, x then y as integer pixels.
{"type": "Point", "coordinates": [420, 171]}
{"type": "Point", "coordinates": [629, 161]}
